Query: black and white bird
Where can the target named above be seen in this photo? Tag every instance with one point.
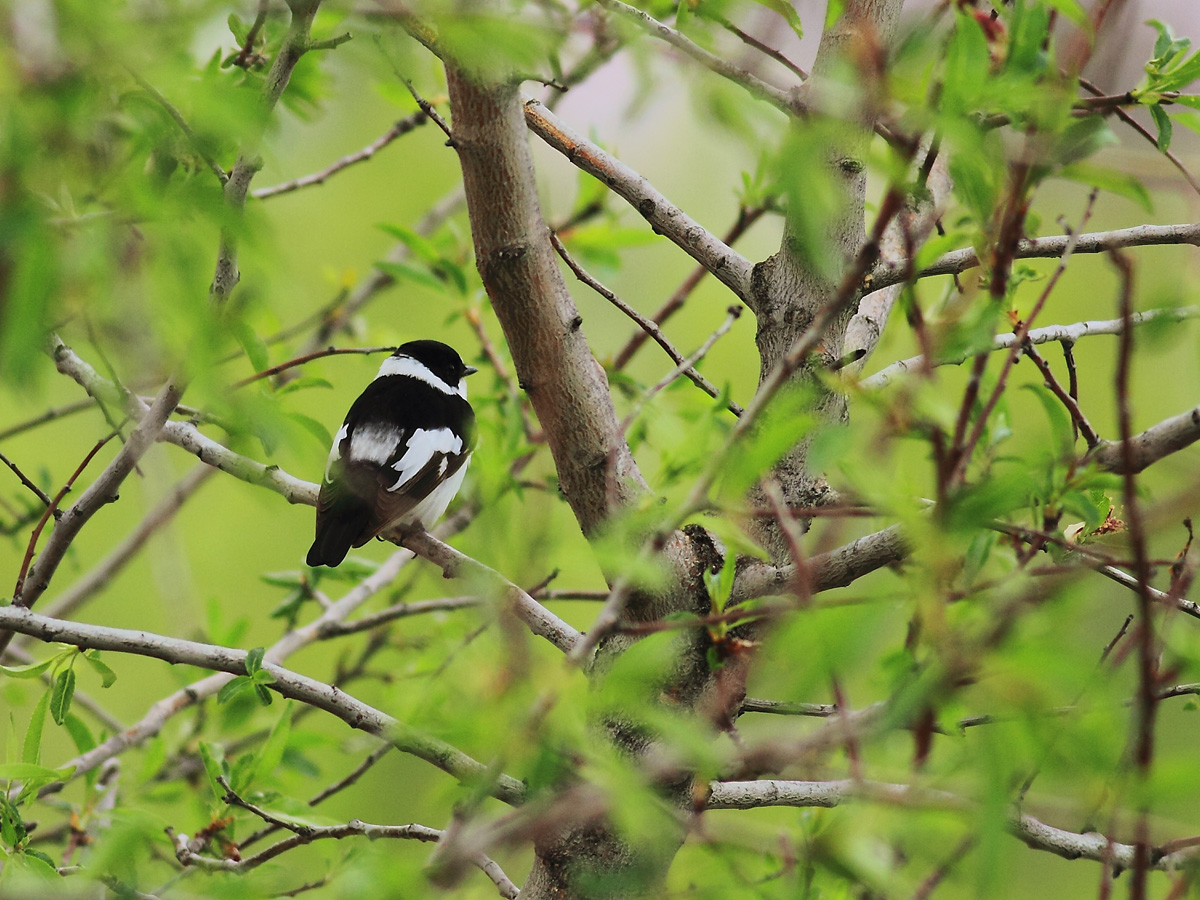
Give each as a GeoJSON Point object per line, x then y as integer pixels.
{"type": "Point", "coordinates": [400, 456]}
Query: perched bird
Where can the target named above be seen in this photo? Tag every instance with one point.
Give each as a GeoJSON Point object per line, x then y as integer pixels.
{"type": "Point", "coordinates": [400, 456]}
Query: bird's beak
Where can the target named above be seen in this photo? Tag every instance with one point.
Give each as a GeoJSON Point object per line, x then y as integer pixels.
{"type": "Point", "coordinates": [470, 370]}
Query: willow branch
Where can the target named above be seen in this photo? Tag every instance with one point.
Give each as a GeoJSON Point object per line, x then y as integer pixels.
{"type": "Point", "coordinates": [787, 102]}
{"type": "Point", "coordinates": [293, 685]}
{"type": "Point", "coordinates": [399, 129]}
{"type": "Point", "coordinates": [1068, 334]}
{"type": "Point", "coordinates": [957, 261]}
{"type": "Point", "coordinates": [727, 265]}
{"type": "Point", "coordinates": [1037, 834]}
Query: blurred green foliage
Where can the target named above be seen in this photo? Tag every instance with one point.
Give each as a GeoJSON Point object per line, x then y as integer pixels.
{"type": "Point", "coordinates": [110, 215]}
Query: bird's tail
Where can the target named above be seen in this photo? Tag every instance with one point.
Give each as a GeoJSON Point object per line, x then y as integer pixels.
{"type": "Point", "coordinates": [336, 534]}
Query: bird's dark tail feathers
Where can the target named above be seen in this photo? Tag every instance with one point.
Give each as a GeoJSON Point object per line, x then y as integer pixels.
{"type": "Point", "coordinates": [336, 533]}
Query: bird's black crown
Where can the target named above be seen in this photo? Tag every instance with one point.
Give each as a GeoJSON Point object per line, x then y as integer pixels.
{"type": "Point", "coordinates": [442, 360]}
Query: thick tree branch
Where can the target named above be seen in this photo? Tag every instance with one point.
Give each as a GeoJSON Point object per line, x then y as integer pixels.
{"type": "Point", "coordinates": [293, 685]}
{"type": "Point", "coordinates": [727, 265]}
{"type": "Point", "coordinates": [102, 491]}
{"type": "Point", "coordinates": [1147, 448]}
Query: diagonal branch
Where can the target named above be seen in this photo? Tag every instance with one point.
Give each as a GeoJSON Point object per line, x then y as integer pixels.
{"type": "Point", "coordinates": [727, 265]}
{"type": "Point", "coordinates": [1153, 444]}
{"type": "Point", "coordinates": [788, 102]}
{"type": "Point", "coordinates": [399, 129]}
{"type": "Point", "coordinates": [293, 685]}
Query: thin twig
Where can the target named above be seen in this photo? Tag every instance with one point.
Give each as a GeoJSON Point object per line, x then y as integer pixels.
{"type": "Point", "coordinates": [745, 218]}
{"type": "Point", "coordinates": [650, 327]}
{"type": "Point", "coordinates": [181, 123]}
{"type": "Point", "coordinates": [49, 511]}
{"type": "Point", "coordinates": [1065, 334]}
{"type": "Point", "coordinates": [37, 491]}
{"type": "Point", "coordinates": [1078, 420]}
{"type": "Point", "coordinates": [399, 129]}
{"type": "Point", "coordinates": [727, 265]}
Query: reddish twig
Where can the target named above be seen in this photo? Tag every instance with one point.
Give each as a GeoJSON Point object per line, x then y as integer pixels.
{"type": "Point", "coordinates": [50, 508]}
{"type": "Point", "coordinates": [307, 358]}
{"type": "Point", "coordinates": [746, 217]}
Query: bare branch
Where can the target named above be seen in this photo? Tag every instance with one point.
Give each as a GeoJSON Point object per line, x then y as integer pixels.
{"type": "Point", "coordinates": [95, 580]}
{"type": "Point", "coordinates": [401, 128]}
{"type": "Point", "coordinates": [353, 828]}
{"type": "Point", "coordinates": [1153, 444]}
{"type": "Point", "coordinates": [454, 564]}
{"type": "Point", "coordinates": [293, 685]}
{"type": "Point", "coordinates": [37, 491]}
{"type": "Point", "coordinates": [727, 265]}
{"type": "Point", "coordinates": [958, 261]}
{"type": "Point", "coordinates": [648, 326]}
{"type": "Point", "coordinates": [1038, 835]}
{"type": "Point", "coordinates": [1051, 333]}
{"type": "Point", "coordinates": [786, 101]}
{"type": "Point", "coordinates": [835, 568]}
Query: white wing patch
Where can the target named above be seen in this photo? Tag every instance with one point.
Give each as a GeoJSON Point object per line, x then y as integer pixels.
{"type": "Point", "coordinates": [422, 445]}
{"type": "Point", "coordinates": [335, 452]}
{"type": "Point", "coordinates": [374, 442]}
{"type": "Point", "coordinates": [406, 365]}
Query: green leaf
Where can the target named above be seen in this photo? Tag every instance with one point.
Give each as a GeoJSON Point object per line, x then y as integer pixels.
{"type": "Point", "coordinates": [302, 384]}
{"type": "Point", "coordinates": [12, 827]}
{"type": "Point", "coordinates": [256, 349]}
{"type": "Point", "coordinates": [107, 676]}
{"type": "Point", "coordinates": [312, 426]}
{"type": "Point", "coordinates": [81, 735]}
{"type": "Point", "coordinates": [233, 687]}
{"type": "Point", "coordinates": [61, 695]}
{"type": "Point", "coordinates": [29, 772]}
{"type": "Point", "coordinates": [405, 272]}
{"type": "Point", "coordinates": [213, 757]}
{"type": "Point", "coordinates": [1109, 180]}
{"type": "Point", "coordinates": [263, 694]}
{"type": "Point", "coordinates": [32, 751]}
{"type": "Point", "coordinates": [421, 247]}
{"type": "Point", "coordinates": [272, 751]}
{"type": "Point", "coordinates": [33, 670]}
{"type": "Point", "coordinates": [1061, 432]}
{"type": "Point", "coordinates": [1163, 123]}
{"type": "Point", "coordinates": [254, 660]}
{"type": "Point", "coordinates": [238, 28]}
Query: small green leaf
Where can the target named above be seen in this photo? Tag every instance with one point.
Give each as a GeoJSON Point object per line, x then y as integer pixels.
{"type": "Point", "coordinates": [61, 695]}
{"type": "Point", "coordinates": [81, 735]}
{"type": "Point", "coordinates": [32, 751]}
{"type": "Point", "coordinates": [272, 751]}
{"type": "Point", "coordinates": [232, 688]}
{"type": "Point", "coordinates": [313, 427]}
{"type": "Point", "coordinates": [256, 349]}
{"type": "Point", "coordinates": [302, 384]}
{"type": "Point", "coordinates": [405, 272]}
{"type": "Point", "coordinates": [254, 659]}
{"type": "Point", "coordinates": [12, 828]}
{"type": "Point", "coordinates": [213, 757]}
{"type": "Point", "coordinates": [107, 675]}
{"type": "Point", "coordinates": [28, 772]}
{"type": "Point", "coordinates": [33, 670]}
{"type": "Point", "coordinates": [1163, 123]}
{"type": "Point", "coordinates": [263, 694]}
